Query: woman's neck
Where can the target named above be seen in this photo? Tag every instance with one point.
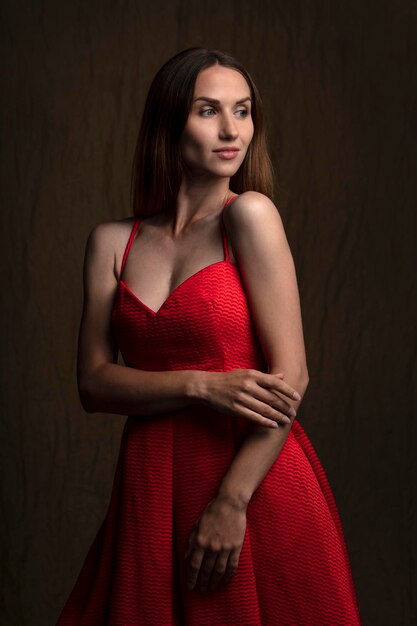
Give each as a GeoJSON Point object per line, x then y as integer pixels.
{"type": "Point", "coordinates": [197, 200]}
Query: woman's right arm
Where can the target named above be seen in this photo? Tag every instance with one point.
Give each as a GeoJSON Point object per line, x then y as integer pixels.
{"type": "Point", "coordinates": [107, 387]}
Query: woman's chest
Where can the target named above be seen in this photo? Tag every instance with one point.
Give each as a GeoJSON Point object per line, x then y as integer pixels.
{"type": "Point", "coordinates": [205, 323]}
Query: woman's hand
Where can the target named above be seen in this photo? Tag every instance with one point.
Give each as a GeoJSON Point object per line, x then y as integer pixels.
{"type": "Point", "coordinates": [215, 544]}
{"type": "Point", "coordinates": [249, 393]}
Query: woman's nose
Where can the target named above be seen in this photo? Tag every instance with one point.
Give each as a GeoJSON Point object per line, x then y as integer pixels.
{"type": "Point", "coordinates": [228, 127]}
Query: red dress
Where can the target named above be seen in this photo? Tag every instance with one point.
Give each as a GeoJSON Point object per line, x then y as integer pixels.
{"type": "Point", "coordinates": [293, 568]}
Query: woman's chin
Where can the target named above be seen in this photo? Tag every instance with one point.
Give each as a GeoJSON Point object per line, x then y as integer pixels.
{"type": "Point", "coordinates": [223, 170]}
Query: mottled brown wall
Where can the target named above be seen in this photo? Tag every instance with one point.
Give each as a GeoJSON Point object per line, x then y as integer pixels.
{"type": "Point", "coordinates": [339, 85]}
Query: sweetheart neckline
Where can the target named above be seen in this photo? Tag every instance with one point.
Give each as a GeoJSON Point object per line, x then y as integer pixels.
{"type": "Point", "coordinates": [173, 293]}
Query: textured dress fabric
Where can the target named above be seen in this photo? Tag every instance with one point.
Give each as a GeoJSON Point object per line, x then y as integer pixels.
{"type": "Point", "coordinates": [294, 568]}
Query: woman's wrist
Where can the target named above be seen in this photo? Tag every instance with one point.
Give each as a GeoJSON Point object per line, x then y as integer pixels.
{"type": "Point", "coordinates": [236, 498]}
{"type": "Point", "coordinates": [196, 388]}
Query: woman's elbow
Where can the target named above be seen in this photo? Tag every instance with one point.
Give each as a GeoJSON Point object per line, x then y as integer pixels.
{"type": "Point", "coordinates": [296, 375]}
{"type": "Point", "coordinates": [86, 394]}
{"type": "Point", "coordinates": [301, 381]}
{"type": "Point", "coordinates": [304, 380]}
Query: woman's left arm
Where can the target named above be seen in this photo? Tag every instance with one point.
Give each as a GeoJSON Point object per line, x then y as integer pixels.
{"type": "Point", "coordinates": [265, 262]}
{"type": "Point", "coordinates": [266, 265]}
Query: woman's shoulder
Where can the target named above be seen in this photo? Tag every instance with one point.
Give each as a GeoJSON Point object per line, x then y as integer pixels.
{"type": "Point", "coordinates": [107, 240]}
{"type": "Point", "coordinates": [254, 227]}
{"type": "Point", "coordinates": [112, 229]}
{"type": "Point", "coordinates": [111, 233]}
{"type": "Point", "coordinates": [249, 209]}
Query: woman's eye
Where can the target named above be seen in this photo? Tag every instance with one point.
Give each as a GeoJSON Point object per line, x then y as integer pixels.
{"type": "Point", "coordinates": [207, 112]}
{"type": "Point", "coordinates": [241, 113]}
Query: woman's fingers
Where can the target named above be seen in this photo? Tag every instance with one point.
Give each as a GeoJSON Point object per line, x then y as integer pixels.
{"type": "Point", "coordinates": [214, 545]}
{"type": "Point", "coordinates": [219, 569]}
{"type": "Point", "coordinates": [264, 410]}
{"type": "Point", "coordinates": [194, 566]}
{"type": "Point", "coordinates": [272, 402]}
{"type": "Point", "coordinates": [272, 422]}
{"type": "Point", "coordinates": [250, 393]}
{"type": "Point", "coordinates": [211, 568]}
{"type": "Point", "coordinates": [232, 564]}
{"type": "Point", "coordinates": [271, 382]}
{"type": "Point", "coordinates": [260, 398]}
{"type": "Point", "coordinates": [206, 569]}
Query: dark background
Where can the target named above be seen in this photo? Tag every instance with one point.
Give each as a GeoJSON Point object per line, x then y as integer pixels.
{"type": "Point", "coordinates": [338, 82]}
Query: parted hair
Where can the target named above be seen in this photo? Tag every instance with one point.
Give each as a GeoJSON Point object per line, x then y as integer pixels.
{"type": "Point", "coordinates": [157, 169]}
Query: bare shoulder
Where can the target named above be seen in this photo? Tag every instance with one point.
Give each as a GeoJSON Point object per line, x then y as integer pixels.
{"type": "Point", "coordinates": [110, 234]}
{"type": "Point", "coordinates": [105, 245]}
{"type": "Point", "coordinates": [108, 239]}
{"type": "Point", "coordinates": [252, 213]}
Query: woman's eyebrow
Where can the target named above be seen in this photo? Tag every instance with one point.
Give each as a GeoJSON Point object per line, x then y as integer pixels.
{"type": "Point", "coordinates": [214, 101]}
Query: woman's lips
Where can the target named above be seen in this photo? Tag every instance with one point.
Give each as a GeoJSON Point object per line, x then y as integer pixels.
{"type": "Point", "coordinates": [227, 153]}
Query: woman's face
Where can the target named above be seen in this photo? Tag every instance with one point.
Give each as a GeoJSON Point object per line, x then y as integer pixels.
{"type": "Point", "coordinates": [219, 128]}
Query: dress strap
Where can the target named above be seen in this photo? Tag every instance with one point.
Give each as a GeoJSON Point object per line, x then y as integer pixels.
{"type": "Point", "coordinates": [129, 244]}
{"type": "Point", "coordinates": [224, 233]}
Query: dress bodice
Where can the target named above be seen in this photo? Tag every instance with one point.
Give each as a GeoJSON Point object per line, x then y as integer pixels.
{"type": "Point", "coordinates": [205, 323]}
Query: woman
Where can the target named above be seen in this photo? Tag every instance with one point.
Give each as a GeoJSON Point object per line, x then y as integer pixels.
{"type": "Point", "coordinates": [220, 512]}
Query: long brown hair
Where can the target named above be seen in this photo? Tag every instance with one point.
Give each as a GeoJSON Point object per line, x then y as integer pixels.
{"type": "Point", "coordinates": [156, 172]}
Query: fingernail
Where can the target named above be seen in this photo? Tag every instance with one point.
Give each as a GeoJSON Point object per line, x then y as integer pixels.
{"type": "Point", "coordinates": [287, 420]}
{"type": "Point", "coordinates": [292, 411]}
{"type": "Point", "coordinates": [296, 395]}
